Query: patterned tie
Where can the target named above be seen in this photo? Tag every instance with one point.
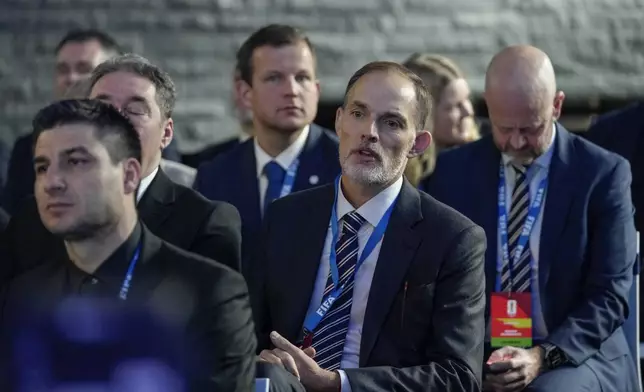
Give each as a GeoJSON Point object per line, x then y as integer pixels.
{"type": "Point", "coordinates": [330, 334]}
{"type": "Point", "coordinates": [520, 281]}
{"type": "Point", "coordinates": [275, 174]}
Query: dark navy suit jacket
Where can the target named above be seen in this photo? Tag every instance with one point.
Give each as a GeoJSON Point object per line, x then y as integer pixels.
{"type": "Point", "coordinates": [622, 132]}
{"type": "Point", "coordinates": [587, 248]}
{"type": "Point", "coordinates": [232, 177]}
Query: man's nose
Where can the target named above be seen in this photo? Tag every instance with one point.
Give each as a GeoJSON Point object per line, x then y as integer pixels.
{"type": "Point", "coordinates": [53, 181]}
{"type": "Point", "coordinates": [370, 131]}
{"type": "Point", "coordinates": [291, 86]}
{"type": "Point", "coordinates": [518, 141]}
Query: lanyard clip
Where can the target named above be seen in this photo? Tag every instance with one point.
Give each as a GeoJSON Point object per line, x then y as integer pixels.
{"type": "Point", "coordinates": [308, 339]}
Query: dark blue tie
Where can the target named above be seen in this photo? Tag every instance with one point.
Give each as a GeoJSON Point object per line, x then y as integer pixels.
{"type": "Point", "coordinates": [330, 334]}
{"type": "Point", "coordinates": [275, 174]}
{"type": "Point", "coordinates": [521, 273]}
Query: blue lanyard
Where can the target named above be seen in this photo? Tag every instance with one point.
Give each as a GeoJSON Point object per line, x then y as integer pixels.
{"type": "Point", "coordinates": [289, 178]}
{"type": "Point", "coordinates": [313, 318]}
{"type": "Point", "coordinates": [531, 218]}
{"type": "Point", "coordinates": [125, 288]}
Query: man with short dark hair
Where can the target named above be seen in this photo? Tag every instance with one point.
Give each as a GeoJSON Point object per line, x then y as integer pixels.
{"type": "Point", "coordinates": [380, 287]}
{"type": "Point", "coordinates": [87, 164]}
{"type": "Point", "coordinates": [288, 152]}
{"type": "Point", "coordinates": [77, 54]}
{"type": "Point", "coordinates": [145, 94]}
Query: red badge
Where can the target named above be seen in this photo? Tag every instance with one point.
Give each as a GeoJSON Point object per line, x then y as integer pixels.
{"type": "Point", "coordinates": [511, 319]}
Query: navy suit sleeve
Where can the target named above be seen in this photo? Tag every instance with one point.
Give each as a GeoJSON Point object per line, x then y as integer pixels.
{"type": "Point", "coordinates": [612, 253]}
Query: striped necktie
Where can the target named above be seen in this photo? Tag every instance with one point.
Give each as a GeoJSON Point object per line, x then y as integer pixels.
{"type": "Point", "coordinates": [330, 334]}
{"type": "Point", "coordinates": [516, 278]}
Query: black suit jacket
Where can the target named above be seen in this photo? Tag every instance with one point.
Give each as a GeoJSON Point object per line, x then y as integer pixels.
{"type": "Point", "coordinates": [427, 339]}
{"type": "Point", "coordinates": [232, 177]}
{"type": "Point", "coordinates": [21, 176]}
{"type": "Point", "coordinates": [177, 214]}
{"type": "Point", "coordinates": [205, 300]}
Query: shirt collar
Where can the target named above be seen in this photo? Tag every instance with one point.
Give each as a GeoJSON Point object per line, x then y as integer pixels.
{"type": "Point", "coordinates": [113, 270]}
{"type": "Point", "coordinates": [373, 210]}
{"type": "Point", "coordinates": [543, 161]}
{"type": "Point", "coordinates": [145, 184]}
{"type": "Point", "coordinates": [285, 158]}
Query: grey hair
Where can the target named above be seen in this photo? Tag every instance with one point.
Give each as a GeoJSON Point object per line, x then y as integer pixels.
{"type": "Point", "coordinates": [140, 66]}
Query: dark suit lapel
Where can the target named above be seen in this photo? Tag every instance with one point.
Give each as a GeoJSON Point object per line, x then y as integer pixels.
{"type": "Point", "coordinates": [307, 255]}
{"type": "Point", "coordinates": [156, 204]}
{"type": "Point", "coordinates": [398, 249]}
{"type": "Point", "coordinates": [561, 185]}
{"type": "Point", "coordinates": [484, 200]}
{"type": "Point", "coordinates": [246, 188]}
{"type": "Point", "coordinates": [312, 164]}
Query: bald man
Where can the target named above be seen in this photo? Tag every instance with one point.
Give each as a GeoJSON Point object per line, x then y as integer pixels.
{"type": "Point", "coordinates": [561, 238]}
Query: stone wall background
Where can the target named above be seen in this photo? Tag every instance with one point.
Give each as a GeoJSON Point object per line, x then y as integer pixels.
{"type": "Point", "coordinates": [597, 45]}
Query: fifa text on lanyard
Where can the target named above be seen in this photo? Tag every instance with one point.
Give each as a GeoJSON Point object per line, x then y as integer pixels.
{"type": "Point", "coordinates": [510, 313]}
{"type": "Point", "coordinates": [314, 318]}
{"type": "Point", "coordinates": [533, 213]}
{"type": "Point", "coordinates": [125, 288]}
{"type": "Point", "coordinates": [289, 178]}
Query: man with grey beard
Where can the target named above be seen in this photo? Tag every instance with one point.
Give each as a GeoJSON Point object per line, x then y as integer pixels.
{"type": "Point", "coordinates": [379, 287]}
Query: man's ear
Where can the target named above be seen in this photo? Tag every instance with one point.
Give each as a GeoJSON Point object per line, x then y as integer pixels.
{"type": "Point", "coordinates": [131, 175]}
{"type": "Point", "coordinates": [421, 143]}
{"type": "Point", "coordinates": [245, 94]}
{"type": "Point", "coordinates": [338, 120]}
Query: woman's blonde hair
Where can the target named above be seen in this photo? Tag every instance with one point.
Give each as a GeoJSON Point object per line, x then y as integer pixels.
{"type": "Point", "coordinates": [437, 72]}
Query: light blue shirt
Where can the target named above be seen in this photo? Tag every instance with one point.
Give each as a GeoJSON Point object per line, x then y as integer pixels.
{"type": "Point", "coordinates": [538, 171]}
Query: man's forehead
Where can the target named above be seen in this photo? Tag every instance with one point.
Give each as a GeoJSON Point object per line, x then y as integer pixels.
{"type": "Point", "coordinates": [384, 90]}
{"type": "Point", "coordinates": [297, 53]}
{"type": "Point", "coordinates": [67, 135]}
{"type": "Point", "coordinates": [122, 83]}
{"type": "Point", "coordinates": [80, 50]}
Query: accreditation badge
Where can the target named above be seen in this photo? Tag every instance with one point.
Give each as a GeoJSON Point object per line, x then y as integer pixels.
{"type": "Point", "coordinates": [511, 321]}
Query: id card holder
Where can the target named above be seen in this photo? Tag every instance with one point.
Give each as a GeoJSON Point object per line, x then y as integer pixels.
{"type": "Point", "coordinates": [511, 322]}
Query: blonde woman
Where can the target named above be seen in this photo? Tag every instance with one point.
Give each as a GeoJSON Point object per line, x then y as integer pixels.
{"type": "Point", "coordinates": [452, 114]}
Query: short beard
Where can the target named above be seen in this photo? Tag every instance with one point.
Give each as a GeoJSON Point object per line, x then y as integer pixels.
{"type": "Point", "coordinates": [379, 175]}
{"type": "Point", "coordinates": [84, 231]}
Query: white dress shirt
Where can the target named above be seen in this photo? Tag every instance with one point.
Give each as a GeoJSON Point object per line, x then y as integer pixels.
{"type": "Point", "coordinates": [538, 171]}
{"type": "Point", "coordinates": [372, 211]}
{"type": "Point", "coordinates": [145, 184]}
{"type": "Point", "coordinates": [284, 159]}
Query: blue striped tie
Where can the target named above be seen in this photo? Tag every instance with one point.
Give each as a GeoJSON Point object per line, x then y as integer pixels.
{"type": "Point", "coordinates": [330, 334]}
{"type": "Point", "coordinates": [521, 273]}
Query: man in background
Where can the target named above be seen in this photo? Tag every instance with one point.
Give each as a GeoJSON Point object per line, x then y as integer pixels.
{"type": "Point", "coordinates": [288, 153]}
{"type": "Point", "coordinates": [558, 216]}
{"type": "Point", "coordinates": [77, 54]}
